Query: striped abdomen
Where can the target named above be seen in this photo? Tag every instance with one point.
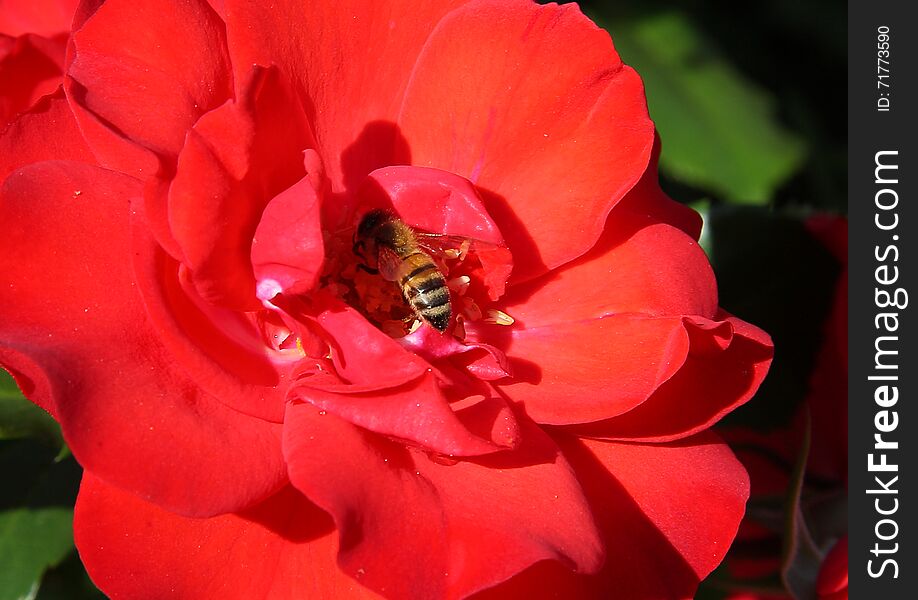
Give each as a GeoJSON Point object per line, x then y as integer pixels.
{"type": "Point", "coordinates": [424, 288]}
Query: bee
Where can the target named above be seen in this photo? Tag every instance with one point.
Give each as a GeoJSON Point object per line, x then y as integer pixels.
{"type": "Point", "coordinates": [397, 252]}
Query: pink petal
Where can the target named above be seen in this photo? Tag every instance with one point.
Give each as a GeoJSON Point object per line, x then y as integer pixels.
{"type": "Point", "coordinates": [287, 248]}
{"type": "Point", "coordinates": [440, 202]}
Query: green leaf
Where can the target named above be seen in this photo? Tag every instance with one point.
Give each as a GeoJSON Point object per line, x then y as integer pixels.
{"type": "Point", "coordinates": [68, 581]}
{"type": "Point", "coordinates": [36, 514]}
{"type": "Point", "coordinates": [31, 540]}
{"type": "Point", "coordinates": [19, 418]}
{"type": "Point", "coordinates": [719, 130]}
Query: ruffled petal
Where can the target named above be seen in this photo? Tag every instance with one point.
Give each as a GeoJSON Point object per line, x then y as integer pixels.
{"type": "Point", "coordinates": [667, 513]}
{"type": "Point", "coordinates": [47, 131]}
{"type": "Point", "coordinates": [128, 411]}
{"type": "Point", "coordinates": [726, 364]}
{"type": "Point", "coordinates": [30, 67]}
{"type": "Point", "coordinates": [532, 104]}
{"type": "Point", "coordinates": [371, 381]}
{"type": "Point", "coordinates": [353, 104]}
{"type": "Point", "coordinates": [636, 267]}
{"type": "Point", "coordinates": [224, 352]}
{"type": "Point", "coordinates": [585, 371]}
{"type": "Point", "coordinates": [288, 249]}
{"type": "Point", "coordinates": [235, 160]}
{"type": "Point", "coordinates": [411, 526]}
{"type": "Point", "coordinates": [635, 377]}
{"type": "Point", "coordinates": [43, 17]}
{"type": "Point", "coordinates": [283, 548]}
{"type": "Point", "coordinates": [146, 89]}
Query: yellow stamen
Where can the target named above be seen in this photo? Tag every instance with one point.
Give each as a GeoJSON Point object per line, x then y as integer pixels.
{"type": "Point", "coordinates": [464, 249]}
{"type": "Point", "coordinates": [498, 317]}
{"type": "Point", "coordinates": [471, 310]}
{"type": "Point", "coordinates": [460, 284]}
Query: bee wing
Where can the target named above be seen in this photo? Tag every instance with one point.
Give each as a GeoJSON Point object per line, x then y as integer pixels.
{"type": "Point", "coordinates": [388, 263]}
{"type": "Point", "coordinates": [451, 246]}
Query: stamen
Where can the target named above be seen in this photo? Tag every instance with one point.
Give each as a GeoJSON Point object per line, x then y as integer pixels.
{"type": "Point", "coordinates": [464, 249]}
{"type": "Point", "coordinates": [459, 330]}
{"type": "Point", "coordinates": [471, 310]}
{"type": "Point", "coordinates": [414, 326]}
{"type": "Point", "coordinates": [460, 285]}
{"type": "Point", "coordinates": [498, 317]}
{"type": "Point", "coordinates": [451, 253]}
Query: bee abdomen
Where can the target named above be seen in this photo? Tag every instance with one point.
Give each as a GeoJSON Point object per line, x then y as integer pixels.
{"type": "Point", "coordinates": [428, 295]}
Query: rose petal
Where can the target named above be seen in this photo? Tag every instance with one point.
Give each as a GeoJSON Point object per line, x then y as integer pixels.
{"type": "Point", "coordinates": [372, 382]}
{"type": "Point", "coordinates": [144, 88]}
{"type": "Point", "coordinates": [47, 131]}
{"type": "Point", "coordinates": [128, 411]}
{"type": "Point", "coordinates": [656, 270]}
{"type": "Point", "coordinates": [30, 67]}
{"type": "Point", "coordinates": [532, 104]}
{"type": "Point", "coordinates": [365, 356]}
{"type": "Point", "coordinates": [234, 161]}
{"type": "Point", "coordinates": [43, 17]}
{"type": "Point", "coordinates": [287, 248]}
{"type": "Point", "coordinates": [282, 549]}
{"type": "Point", "coordinates": [667, 512]}
{"type": "Point", "coordinates": [440, 202]}
{"type": "Point", "coordinates": [354, 103]}
{"type": "Point", "coordinates": [584, 371]}
{"type": "Point", "coordinates": [719, 374]}
{"type": "Point", "coordinates": [632, 376]}
{"type": "Point", "coordinates": [411, 527]}
{"type": "Point", "coordinates": [417, 413]}
{"type": "Point", "coordinates": [223, 351]}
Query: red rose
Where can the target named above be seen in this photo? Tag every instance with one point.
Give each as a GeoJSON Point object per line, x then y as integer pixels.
{"type": "Point", "coordinates": [33, 36]}
{"type": "Point", "coordinates": [252, 416]}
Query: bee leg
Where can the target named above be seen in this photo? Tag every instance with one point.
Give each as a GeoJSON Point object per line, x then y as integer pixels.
{"type": "Point", "coordinates": [363, 267]}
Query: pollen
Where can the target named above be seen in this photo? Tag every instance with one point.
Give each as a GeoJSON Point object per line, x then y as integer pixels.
{"type": "Point", "coordinates": [498, 317]}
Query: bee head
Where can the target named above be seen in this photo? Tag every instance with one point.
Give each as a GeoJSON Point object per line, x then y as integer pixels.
{"type": "Point", "coordinates": [371, 221]}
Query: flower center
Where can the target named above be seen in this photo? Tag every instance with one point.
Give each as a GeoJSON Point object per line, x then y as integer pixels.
{"type": "Point", "coordinates": [359, 281]}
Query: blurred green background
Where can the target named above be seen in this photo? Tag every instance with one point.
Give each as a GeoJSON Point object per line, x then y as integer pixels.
{"type": "Point", "coordinates": [750, 103]}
